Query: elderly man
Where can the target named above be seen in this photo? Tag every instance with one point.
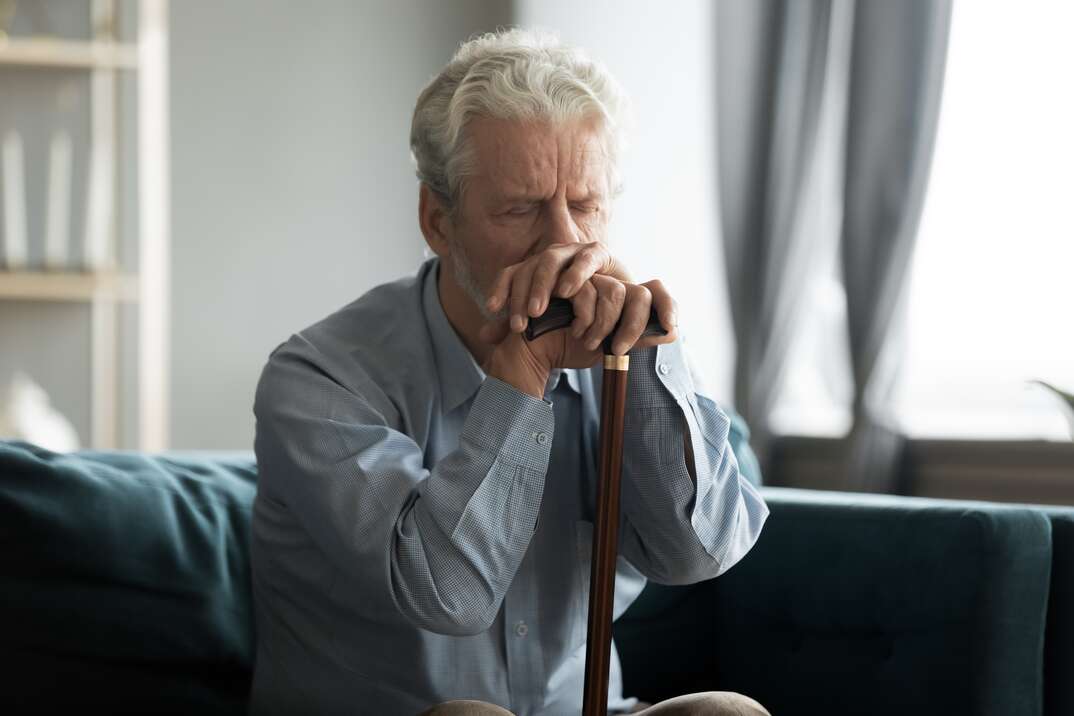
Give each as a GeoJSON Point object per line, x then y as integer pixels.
{"type": "Point", "coordinates": [423, 522]}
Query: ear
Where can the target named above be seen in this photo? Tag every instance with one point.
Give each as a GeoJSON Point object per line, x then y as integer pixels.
{"type": "Point", "coordinates": [434, 221]}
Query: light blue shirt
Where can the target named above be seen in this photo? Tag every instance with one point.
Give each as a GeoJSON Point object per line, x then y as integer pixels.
{"type": "Point", "coordinates": [422, 532]}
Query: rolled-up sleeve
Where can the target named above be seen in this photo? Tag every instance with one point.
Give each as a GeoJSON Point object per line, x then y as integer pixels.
{"type": "Point", "coordinates": [677, 529]}
{"type": "Point", "coordinates": [440, 546]}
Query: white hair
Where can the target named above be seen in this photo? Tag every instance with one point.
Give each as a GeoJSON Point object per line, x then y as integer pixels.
{"type": "Point", "coordinates": [511, 74]}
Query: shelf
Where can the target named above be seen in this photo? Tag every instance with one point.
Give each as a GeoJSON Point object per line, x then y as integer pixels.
{"type": "Point", "coordinates": [48, 52]}
{"type": "Point", "coordinates": [67, 286]}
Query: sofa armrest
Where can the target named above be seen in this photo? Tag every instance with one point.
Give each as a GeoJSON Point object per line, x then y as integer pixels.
{"type": "Point", "coordinates": [125, 584]}
{"type": "Point", "coordinates": [859, 604]}
{"type": "Point", "coordinates": [1059, 634]}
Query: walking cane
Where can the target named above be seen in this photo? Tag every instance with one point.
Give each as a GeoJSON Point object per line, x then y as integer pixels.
{"type": "Point", "coordinates": [560, 314]}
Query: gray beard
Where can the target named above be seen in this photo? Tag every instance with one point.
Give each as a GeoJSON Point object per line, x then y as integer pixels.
{"type": "Point", "coordinates": [464, 276]}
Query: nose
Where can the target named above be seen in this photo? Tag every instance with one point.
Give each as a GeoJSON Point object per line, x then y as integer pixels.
{"type": "Point", "coordinates": [560, 227]}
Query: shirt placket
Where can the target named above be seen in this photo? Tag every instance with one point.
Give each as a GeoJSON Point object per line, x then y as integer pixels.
{"type": "Point", "coordinates": [525, 661]}
{"type": "Point", "coordinates": [520, 636]}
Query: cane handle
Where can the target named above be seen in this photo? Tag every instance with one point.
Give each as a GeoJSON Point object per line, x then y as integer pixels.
{"type": "Point", "coordinates": [560, 314]}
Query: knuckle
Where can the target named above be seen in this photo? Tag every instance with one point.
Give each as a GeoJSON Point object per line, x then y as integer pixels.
{"type": "Point", "coordinates": [592, 253]}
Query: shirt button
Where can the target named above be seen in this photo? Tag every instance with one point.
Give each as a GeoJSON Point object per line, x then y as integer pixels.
{"type": "Point", "coordinates": [521, 629]}
{"type": "Point", "coordinates": [541, 438]}
{"type": "Point", "coordinates": [664, 368]}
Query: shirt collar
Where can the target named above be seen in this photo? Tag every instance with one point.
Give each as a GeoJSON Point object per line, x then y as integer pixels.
{"type": "Point", "coordinates": [459, 374]}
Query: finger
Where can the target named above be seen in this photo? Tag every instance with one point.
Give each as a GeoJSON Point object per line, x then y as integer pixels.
{"type": "Point", "coordinates": [650, 341]}
{"type": "Point", "coordinates": [549, 265]}
{"type": "Point", "coordinates": [633, 319]}
{"type": "Point", "coordinates": [611, 294]}
{"type": "Point", "coordinates": [666, 308]}
{"type": "Point", "coordinates": [520, 292]}
{"type": "Point", "coordinates": [501, 288]}
{"type": "Point", "coordinates": [616, 269]}
{"type": "Point", "coordinates": [584, 303]}
{"type": "Point", "coordinates": [588, 260]}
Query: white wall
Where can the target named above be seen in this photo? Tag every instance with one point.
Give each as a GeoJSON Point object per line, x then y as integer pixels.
{"type": "Point", "coordinates": [293, 191]}
{"type": "Point", "coordinates": [666, 222]}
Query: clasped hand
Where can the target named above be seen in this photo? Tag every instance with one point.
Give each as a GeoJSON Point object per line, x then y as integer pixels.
{"type": "Point", "coordinates": [603, 298]}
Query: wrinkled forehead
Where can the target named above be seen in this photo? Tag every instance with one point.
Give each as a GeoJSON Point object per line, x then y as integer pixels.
{"type": "Point", "coordinates": [536, 158]}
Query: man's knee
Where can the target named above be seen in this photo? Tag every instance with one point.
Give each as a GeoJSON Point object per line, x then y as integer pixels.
{"type": "Point", "coordinates": [708, 703]}
{"type": "Point", "coordinates": [466, 708]}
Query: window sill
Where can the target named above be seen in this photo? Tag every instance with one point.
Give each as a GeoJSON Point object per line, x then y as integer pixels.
{"type": "Point", "coordinates": [1034, 471]}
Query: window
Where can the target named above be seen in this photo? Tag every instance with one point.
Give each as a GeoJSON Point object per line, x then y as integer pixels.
{"type": "Point", "coordinates": [990, 303]}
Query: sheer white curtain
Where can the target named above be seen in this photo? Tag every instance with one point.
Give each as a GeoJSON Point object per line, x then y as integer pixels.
{"type": "Point", "coordinates": [992, 299]}
{"type": "Point", "coordinates": [990, 304]}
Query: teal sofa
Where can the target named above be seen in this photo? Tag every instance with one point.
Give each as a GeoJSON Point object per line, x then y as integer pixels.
{"type": "Point", "coordinates": [125, 589]}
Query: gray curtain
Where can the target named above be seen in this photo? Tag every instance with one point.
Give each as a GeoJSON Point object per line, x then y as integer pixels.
{"type": "Point", "coordinates": [772, 69]}
{"type": "Point", "coordinates": [774, 73]}
{"type": "Point", "coordinates": [897, 65]}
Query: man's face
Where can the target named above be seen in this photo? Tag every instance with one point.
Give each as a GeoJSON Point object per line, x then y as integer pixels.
{"type": "Point", "coordinates": [532, 185]}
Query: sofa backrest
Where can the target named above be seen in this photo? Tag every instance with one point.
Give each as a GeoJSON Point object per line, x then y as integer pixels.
{"type": "Point", "coordinates": [860, 604]}
{"type": "Point", "coordinates": [125, 581]}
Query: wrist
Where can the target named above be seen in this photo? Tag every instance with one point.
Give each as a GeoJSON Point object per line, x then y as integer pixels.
{"type": "Point", "coordinates": [519, 369]}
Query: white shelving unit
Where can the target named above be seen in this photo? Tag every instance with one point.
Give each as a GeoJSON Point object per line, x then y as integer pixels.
{"type": "Point", "coordinates": [49, 52]}
{"type": "Point", "coordinates": [103, 287]}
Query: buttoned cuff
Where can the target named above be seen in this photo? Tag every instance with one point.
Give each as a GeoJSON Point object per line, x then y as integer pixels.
{"type": "Point", "coordinates": [514, 425]}
{"type": "Point", "coordinates": [659, 377]}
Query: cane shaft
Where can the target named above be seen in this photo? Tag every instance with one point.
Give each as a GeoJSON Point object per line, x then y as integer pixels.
{"type": "Point", "coordinates": [605, 537]}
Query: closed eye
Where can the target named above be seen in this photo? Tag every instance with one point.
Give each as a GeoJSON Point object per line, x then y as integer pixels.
{"type": "Point", "coordinates": [585, 208]}
{"type": "Point", "coordinates": [521, 210]}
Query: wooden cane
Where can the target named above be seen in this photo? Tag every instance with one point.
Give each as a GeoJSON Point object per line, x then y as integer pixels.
{"type": "Point", "coordinates": [606, 523]}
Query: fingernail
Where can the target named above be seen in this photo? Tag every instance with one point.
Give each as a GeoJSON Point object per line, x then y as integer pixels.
{"type": "Point", "coordinates": [493, 303]}
{"type": "Point", "coordinates": [517, 323]}
{"type": "Point", "coordinates": [535, 306]}
{"type": "Point", "coordinates": [592, 345]}
{"type": "Point", "coordinates": [561, 289]}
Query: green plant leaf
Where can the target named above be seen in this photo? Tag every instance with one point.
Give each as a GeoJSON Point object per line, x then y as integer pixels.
{"type": "Point", "coordinates": [1068, 397]}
